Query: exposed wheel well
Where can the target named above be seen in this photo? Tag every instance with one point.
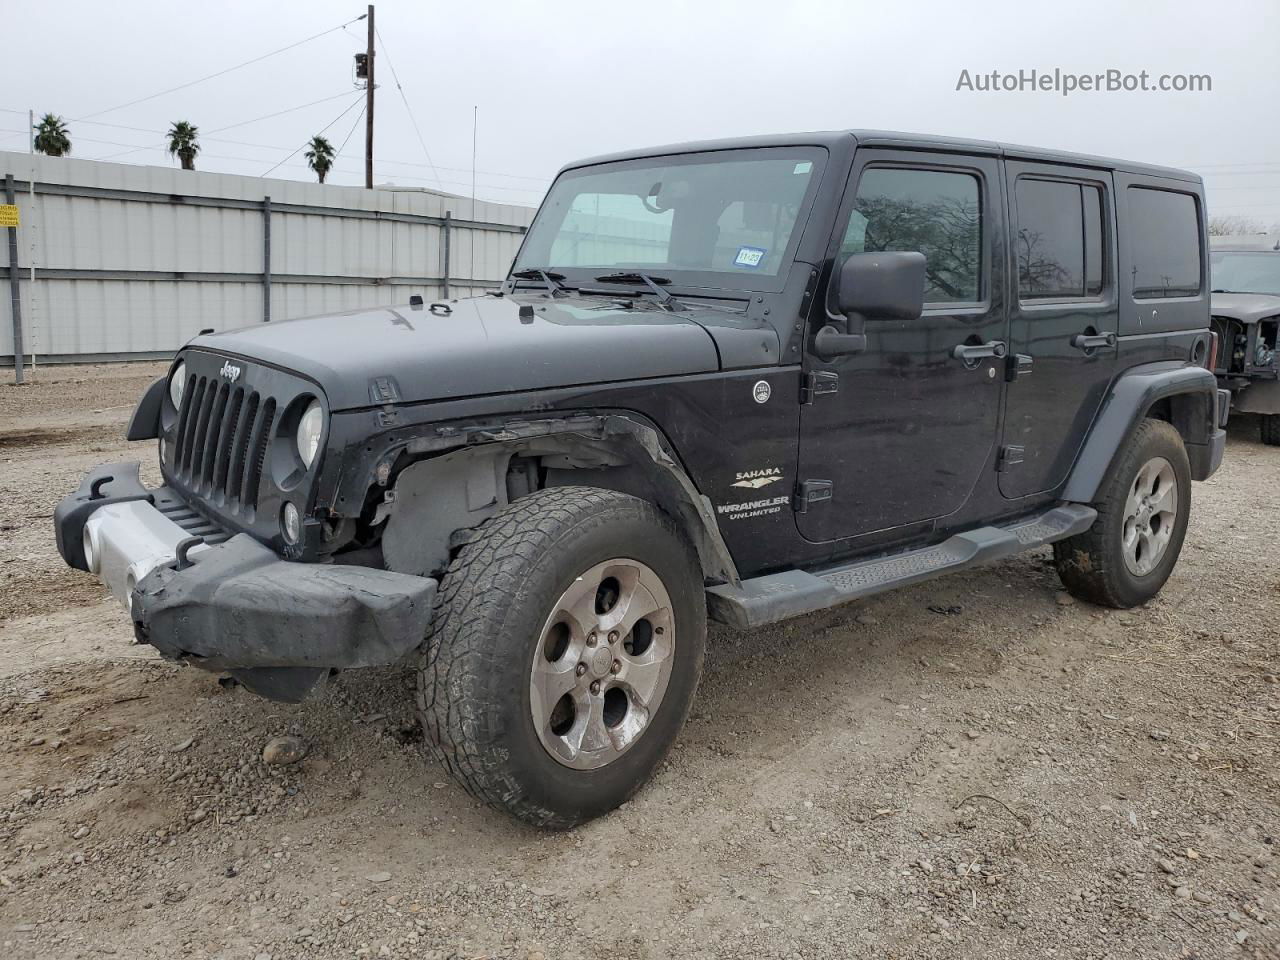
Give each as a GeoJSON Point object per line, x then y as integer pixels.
{"type": "Point", "coordinates": [1192, 414]}
{"type": "Point", "coordinates": [434, 503]}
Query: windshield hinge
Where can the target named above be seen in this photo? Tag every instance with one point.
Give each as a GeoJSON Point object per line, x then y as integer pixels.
{"type": "Point", "coordinates": [1017, 365]}
{"type": "Point", "coordinates": [1010, 456]}
{"type": "Point", "coordinates": [810, 492]}
{"type": "Point", "coordinates": [821, 383]}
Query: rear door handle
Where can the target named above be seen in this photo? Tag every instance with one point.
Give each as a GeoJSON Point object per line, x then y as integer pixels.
{"type": "Point", "coordinates": [977, 351]}
{"type": "Point", "coordinates": [1085, 341]}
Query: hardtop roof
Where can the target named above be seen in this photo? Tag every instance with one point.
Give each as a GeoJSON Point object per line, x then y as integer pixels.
{"type": "Point", "coordinates": [905, 141]}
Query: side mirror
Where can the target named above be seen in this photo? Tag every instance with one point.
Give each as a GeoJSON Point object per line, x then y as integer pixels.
{"type": "Point", "coordinates": [882, 286]}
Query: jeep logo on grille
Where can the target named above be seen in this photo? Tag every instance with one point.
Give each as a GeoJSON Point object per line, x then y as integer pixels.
{"type": "Point", "coordinates": [230, 371]}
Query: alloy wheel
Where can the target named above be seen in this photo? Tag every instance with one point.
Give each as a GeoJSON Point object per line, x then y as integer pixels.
{"type": "Point", "coordinates": [602, 664]}
{"type": "Point", "coordinates": [1150, 512]}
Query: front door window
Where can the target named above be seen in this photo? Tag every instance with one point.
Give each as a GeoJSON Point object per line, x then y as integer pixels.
{"type": "Point", "coordinates": [935, 212]}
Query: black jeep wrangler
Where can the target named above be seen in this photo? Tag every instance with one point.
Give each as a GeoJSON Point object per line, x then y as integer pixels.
{"type": "Point", "coordinates": [1246, 317]}
{"type": "Point", "coordinates": [743, 380]}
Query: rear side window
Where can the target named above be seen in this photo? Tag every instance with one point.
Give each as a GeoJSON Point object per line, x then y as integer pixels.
{"type": "Point", "coordinates": [1164, 235]}
{"type": "Point", "coordinates": [1059, 239]}
{"type": "Point", "coordinates": [935, 212]}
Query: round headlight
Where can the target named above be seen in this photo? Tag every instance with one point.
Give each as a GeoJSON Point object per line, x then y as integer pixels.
{"type": "Point", "coordinates": [177, 383]}
{"type": "Point", "coordinates": [310, 426]}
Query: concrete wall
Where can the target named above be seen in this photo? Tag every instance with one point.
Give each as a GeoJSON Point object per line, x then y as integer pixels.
{"type": "Point", "coordinates": [134, 260]}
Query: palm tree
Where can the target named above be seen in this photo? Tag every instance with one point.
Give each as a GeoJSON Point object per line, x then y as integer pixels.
{"type": "Point", "coordinates": [52, 137]}
{"type": "Point", "coordinates": [183, 143]}
{"type": "Point", "coordinates": [319, 156]}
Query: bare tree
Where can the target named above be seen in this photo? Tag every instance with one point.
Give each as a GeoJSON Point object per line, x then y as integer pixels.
{"type": "Point", "coordinates": [1040, 274]}
{"type": "Point", "coordinates": [946, 230]}
{"type": "Point", "coordinates": [1229, 226]}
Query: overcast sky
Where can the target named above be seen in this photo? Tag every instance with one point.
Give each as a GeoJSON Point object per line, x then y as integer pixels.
{"type": "Point", "coordinates": [562, 79]}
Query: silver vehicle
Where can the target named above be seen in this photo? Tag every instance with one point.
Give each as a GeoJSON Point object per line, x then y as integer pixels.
{"type": "Point", "coordinates": [1246, 315]}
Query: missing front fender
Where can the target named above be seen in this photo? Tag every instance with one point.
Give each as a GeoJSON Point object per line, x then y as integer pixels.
{"type": "Point", "coordinates": [438, 501]}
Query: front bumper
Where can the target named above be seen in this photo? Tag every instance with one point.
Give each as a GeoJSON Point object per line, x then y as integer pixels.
{"type": "Point", "coordinates": [235, 606]}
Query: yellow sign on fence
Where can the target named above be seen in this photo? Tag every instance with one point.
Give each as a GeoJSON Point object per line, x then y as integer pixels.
{"type": "Point", "coordinates": [8, 214]}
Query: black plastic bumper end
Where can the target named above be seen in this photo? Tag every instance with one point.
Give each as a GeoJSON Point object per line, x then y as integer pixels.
{"type": "Point", "coordinates": [1206, 458]}
{"type": "Point", "coordinates": [277, 625]}
{"type": "Point", "coordinates": [103, 485]}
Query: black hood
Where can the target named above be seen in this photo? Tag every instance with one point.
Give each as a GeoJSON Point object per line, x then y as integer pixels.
{"type": "Point", "coordinates": [481, 346]}
{"type": "Point", "coordinates": [1245, 307]}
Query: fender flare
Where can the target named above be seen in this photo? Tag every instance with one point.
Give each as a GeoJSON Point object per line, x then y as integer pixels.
{"type": "Point", "coordinates": [144, 424]}
{"type": "Point", "coordinates": [1194, 408]}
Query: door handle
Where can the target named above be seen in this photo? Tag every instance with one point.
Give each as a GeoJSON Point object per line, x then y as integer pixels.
{"type": "Point", "coordinates": [831, 342]}
{"type": "Point", "coordinates": [1086, 341]}
{"type": "Point", "coordinates": [977, 351]}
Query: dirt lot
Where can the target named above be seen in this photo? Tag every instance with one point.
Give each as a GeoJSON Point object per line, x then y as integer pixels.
{"type": "Point", "coordinates": [1015, 776]}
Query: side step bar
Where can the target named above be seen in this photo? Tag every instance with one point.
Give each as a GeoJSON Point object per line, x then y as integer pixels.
{"type": "Point", "coordinates": [792, 593]}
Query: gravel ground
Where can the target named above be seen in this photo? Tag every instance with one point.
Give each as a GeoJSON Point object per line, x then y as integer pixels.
{"type": "Point", "coordinates": [1018, 776]}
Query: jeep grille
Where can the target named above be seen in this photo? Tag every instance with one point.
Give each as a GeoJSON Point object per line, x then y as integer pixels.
{"type": "Point", "coordinates": [221, 443]}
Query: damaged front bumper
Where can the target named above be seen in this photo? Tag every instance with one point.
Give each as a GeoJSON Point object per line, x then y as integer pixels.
{"type": "Point", "coordinates": [235, 607]}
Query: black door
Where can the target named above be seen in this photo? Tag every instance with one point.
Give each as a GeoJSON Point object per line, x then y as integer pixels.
{"type": "Point", "coordinates": [1062, 319]}
{"type": "Point", "coordinates": [907, 433]}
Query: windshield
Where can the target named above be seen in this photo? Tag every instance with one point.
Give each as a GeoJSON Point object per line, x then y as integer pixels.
{"type": "Point", "coordinates": [1246, 272]}
{"type": "Point", "coordinates": [725, 219]}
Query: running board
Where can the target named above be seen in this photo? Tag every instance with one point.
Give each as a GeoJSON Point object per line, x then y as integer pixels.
{"type": "Point", "coordinates": [792, 593]}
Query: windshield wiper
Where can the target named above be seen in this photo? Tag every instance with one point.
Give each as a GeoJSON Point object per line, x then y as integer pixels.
{"type": "Point", "coordinates": [666, 299]}
{"type": "Point", "coordinates": [552, 280]}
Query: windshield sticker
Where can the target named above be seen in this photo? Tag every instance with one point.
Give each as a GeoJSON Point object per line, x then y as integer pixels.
{"type": "Point", "coordinates": [804, 167]}
{"type": "Point", "coordinates": [749, 257]}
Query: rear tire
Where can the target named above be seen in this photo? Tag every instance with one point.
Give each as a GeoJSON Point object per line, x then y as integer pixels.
{"type": "Point", "coordinates": [1271, 429]}
{"type": "Point", "coordinates": [1143, 506]}
{"type": "Point", "coordinates": [527, 693]}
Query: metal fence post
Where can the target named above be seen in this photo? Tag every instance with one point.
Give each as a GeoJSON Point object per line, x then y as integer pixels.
{"type": "Point", "coordinates": [448, 216]}
{"type": "Point", "coordinates": [266, 259]}
{"type": "Point", "coordinates": [15, 289]}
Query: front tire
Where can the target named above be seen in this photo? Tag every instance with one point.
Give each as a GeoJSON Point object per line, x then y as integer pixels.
{"type": "Point", "coordinates": [564, 653]}
{"type": "Point", "coordinates": [1143, 507]}
{"type": "Point", "coordinates": [1271, 429]}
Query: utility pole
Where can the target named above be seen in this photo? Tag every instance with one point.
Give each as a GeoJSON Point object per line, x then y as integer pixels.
{"type": "Point", "coordinates": [368, 109]}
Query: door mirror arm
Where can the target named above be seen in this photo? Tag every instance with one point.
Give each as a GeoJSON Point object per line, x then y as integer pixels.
{"type": "Point", "coordinates": [841, 336]}
{"type": "Point", "coordinates": [886, 285]}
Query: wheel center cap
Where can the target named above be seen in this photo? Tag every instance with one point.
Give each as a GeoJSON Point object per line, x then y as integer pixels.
{"type": "Point", "coordinates": [600, 662]}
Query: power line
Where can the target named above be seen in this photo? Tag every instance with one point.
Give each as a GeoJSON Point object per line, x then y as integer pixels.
{"type": "Point", "coordinates": [408, 109]}
{"type": "Point", "coordinates": [221, 73]}
{"type": "Point", "coordinates": [322, 130]}
{"type": "Point", "coordinates": [379, 167]}
{"type": "Point", "coordinates": [1243, 173]}
{"type": "Point", "coordinates": [347, 138]}
{"type": "Point", "coordinates": [434, 168]}
{"type": "Point", "coordinates": [242, 123]}
{"type": "Point", "coordinates": [1215, 166]}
